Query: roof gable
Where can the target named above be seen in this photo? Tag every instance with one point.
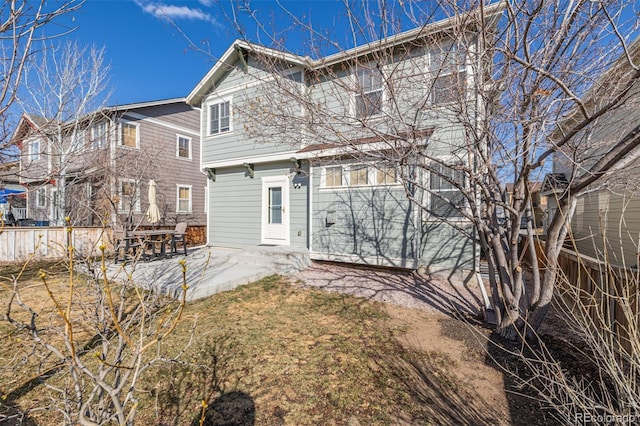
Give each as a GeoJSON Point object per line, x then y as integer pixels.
{"type": "Point", "coordinates": [237, 48]}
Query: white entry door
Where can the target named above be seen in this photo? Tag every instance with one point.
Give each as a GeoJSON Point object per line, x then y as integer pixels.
{"type": "Point", "coordinates": [275, 210]}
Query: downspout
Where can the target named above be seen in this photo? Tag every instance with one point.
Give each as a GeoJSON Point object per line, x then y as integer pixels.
{"type": "Point", "coordinates": [310, 188]}
{"type": "Point", "coordinates": [476, 256]}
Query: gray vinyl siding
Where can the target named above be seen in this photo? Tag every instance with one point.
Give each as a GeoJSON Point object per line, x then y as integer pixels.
{"type": "Point", "coordinates": [249, 136]}
{"type": "Point", "coordinates": [378, 225]}
{"type": "Point", "coordinates": [445, 247]}
{"type": "Point", "coordinates": [368, 224]}
{"type": "Point", "coordinates": [156, 159]}
{"type": "Point", "coordinates": [159, 142]}
{"type": "Point", "coordinates": [608, 223]}
{"type": "Point", "coordinates": [33, 170]}
{"type": "Point", "coordinates": [235, 206]}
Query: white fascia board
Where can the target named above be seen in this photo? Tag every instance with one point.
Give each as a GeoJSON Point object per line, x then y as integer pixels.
{"type": "Point", "coordinates": [195, 97]}
{"type": "Point", "coordinates": [343, 150]}
{"type": "Point", "coordinates": [277, 54]}
{"type": "Point", "coordinates": [171, 126]}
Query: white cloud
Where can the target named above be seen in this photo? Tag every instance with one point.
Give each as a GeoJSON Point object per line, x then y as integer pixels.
{"type": "Point", "coordinates": [171, 12]}
{"type": "Point", "coordinates": [206, 3]}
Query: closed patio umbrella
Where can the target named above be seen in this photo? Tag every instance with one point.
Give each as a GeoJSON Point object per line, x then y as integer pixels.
{"type": "Point", "coordinates": [153, 212]}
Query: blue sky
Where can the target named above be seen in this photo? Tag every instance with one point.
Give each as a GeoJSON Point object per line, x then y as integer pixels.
{"type": "Point", "coordinates": [150, 59]}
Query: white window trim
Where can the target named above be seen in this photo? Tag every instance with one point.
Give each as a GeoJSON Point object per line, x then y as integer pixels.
{"type": "Point", "coordinates": [136, 207]}
{"type": "Point", "coordinates": [178, 136]}
{"type": "Point", "coordinates": [213, 101]}
{"type": "Point", "coordinates": [431, 217]}
{"type": "Point", "coordinates": [286, 217]}
{"type": "Point", "coordinates": [132, 123]}
{"type": "Point", "coordinates": [444, 73]}
{"type": "Point", "coordinates": [38, 204]}
{"type": "Point", "coordinates": [189, 187]}
{"type": "Point", "coordinates": [356, 92]}
{"type": "Point", "coordinates": [323, 177]}
{"type": "Point", "coordinates": [372, 175]}
{"type": "Point", "coordinates": [34, 154]}
{"type": "Point", "coordinates": [105, 142]}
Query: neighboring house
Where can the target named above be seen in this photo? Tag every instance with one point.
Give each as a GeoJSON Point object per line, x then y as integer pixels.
{"type": "Point", "coordinates": [538, 203]}
{"type": "Point", "coordinates": [606, 220]}
{"type": "Point", "coordinates": [105, 160]}
{"type": "Point", "coordinates": [13, 196]}
{"type": "Point", "coordinates": [277, 178]}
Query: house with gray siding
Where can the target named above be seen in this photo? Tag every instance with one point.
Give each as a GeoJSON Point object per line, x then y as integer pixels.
{"type": "Point", "coordinates": [310, 153]}
{"type": "Point", "coordinates": [105, 161]}
{"type": "Point", "coordinates": [606, 218]}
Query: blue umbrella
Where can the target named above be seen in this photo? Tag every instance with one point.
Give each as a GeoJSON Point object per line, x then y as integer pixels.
{"type": "Point", "coordinates": [5, 192]}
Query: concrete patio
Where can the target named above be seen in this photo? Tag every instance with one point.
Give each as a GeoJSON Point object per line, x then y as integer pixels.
{"type": "Point", "coordinates": [212, 269]}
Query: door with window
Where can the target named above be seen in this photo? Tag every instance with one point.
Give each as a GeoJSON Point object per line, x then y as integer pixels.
{"type": "Point", "coordinates": [275, 210]}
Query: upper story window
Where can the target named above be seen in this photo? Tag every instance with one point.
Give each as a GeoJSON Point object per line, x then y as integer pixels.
{"type": "Point", "coordinates": [447, 200]}
{"type": "Point", "coordinates": [368, 97]}
{"type": "Point", "coordinates": [129, 135]}
{"type": "Point", "coordinates": [219, 117]}
{"type": "Point", "coordinates": [449, 71]}
{"type": "Point", "coordinates": [34, 150]}
{"type": "Point", "coordinates": [77, 139]}
{"type": "Point", "coordinates": [99, 135]}
{"type": "Point", "coordinates": [183, 147]}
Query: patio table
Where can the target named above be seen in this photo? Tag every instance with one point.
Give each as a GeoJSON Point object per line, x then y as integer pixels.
{"type": "Point", "coordinates": [154, 236]}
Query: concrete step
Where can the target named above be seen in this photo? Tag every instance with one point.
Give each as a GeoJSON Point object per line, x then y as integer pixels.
{"type": "Point", "coordinates": [281, 260]}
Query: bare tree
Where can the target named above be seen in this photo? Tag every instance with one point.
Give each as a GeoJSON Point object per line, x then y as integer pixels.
{"type": "Point", "coordinates": [491, 107]}
{"type": "Point", "coordinates": [93, 343]}
{"type": "Point", "coordinates": [67, 88]}
{"type": "Point", "coordinates": [23, 26]}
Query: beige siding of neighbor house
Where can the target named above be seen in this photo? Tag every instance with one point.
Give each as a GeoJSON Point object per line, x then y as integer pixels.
{"type": "Point", "coordinates": [607, 223]}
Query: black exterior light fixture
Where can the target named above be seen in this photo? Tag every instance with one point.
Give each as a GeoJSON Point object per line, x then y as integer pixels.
{"type": "Point", "coordinates": [250, 171]}
{"type": "Point", "coordinates": [297, 166]}
{"type": "Point", "coordinates": [211, 173]}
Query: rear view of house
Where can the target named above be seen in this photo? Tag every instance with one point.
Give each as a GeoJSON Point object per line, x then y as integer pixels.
{"type": "Point", "coordinates": [314, 153]}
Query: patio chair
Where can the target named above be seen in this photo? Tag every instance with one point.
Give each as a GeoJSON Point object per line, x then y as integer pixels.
{"type": "Point", "coordinates": [179, 236]}
{"type": "Point", "coordinates": [125, 246]}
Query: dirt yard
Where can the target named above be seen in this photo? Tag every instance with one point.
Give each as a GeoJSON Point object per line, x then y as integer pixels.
{"type": "Point", "coordinates": [299, 351]}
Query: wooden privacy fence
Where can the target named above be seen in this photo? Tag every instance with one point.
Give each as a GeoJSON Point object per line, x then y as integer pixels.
{"type": "Point", "coordinates": [604, 294]}
{"type": "Point", "coordinates": [19, 244]}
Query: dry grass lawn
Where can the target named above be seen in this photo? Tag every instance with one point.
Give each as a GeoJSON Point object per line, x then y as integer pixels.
{"type": "Point", "coordinates": [274, 353]}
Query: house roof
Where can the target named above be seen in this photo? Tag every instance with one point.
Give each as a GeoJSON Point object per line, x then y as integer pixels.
{"type": "Point", "coordinates": [27, 124]}
{"type": "Point", "coordinates": [553, 183]}
{"type": "Point", "coordinates": [231, 56]}
{"type": "Point", "coordinates": [533, 186]}
{"type": "Point", "coordinates": [145, 104]}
